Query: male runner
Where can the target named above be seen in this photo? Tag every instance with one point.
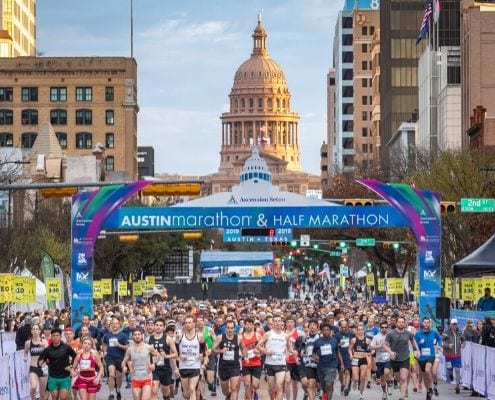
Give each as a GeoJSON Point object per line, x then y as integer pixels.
{"type": "Point", "coordinates": [251, 368]}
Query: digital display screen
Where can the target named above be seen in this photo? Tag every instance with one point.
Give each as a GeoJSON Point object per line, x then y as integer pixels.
{"type": "Point", "coordinates": [258, 232]}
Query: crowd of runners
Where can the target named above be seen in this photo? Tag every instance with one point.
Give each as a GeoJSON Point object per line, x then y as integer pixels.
{"type": "Point", "coordinates": [201, 348]}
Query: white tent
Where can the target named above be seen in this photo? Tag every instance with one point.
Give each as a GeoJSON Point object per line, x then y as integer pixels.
{"type": "Point", "coordinates": [40, 303]}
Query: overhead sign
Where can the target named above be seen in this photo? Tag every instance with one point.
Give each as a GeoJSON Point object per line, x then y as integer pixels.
{"type": "Point", "coordinates": [365, 242]}
{"type": "Point", "coordinates": [477, 205]}
{"type": "Point", "coordinates": [235, 235]}
{"type": "Point", "coordinates": [305, 240]}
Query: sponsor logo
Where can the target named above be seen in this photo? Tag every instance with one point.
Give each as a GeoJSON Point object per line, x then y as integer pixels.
{"type": "Point", "coordinates": [81, 259]}
{"type": "Point", "coordinates": [429, 256]}
{"type": "Point", "coordinates": [82, 276]}
{"type": "Point", "coordinates": [430, 274]}
{"type": "Point", "coordinates": [232, 200]}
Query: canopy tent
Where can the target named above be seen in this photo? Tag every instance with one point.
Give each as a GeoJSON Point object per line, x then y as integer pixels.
{"type": "Point", "coordinates": [235, 258]}
{"type": "Point", "coordinates": [480, 261]}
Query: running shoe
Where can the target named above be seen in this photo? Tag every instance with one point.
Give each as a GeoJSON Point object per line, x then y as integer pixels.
{"type": "Point", "coordinates": [384, 396]}
{"type": "Point", "coordinates": [457, 389]}
{"type": "Point", "coordinates": [111, 397]}
{"type": "Point", "coordinates": [435, 391]}
{"type": "Point", "coordinates": [368, 385]}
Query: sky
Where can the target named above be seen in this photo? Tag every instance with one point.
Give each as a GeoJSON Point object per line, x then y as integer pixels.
{"type": "Point", "coordinates": [187, 53]}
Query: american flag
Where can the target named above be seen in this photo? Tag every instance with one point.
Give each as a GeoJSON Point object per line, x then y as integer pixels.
{"type": "Point", "coordinates": [425, 24]}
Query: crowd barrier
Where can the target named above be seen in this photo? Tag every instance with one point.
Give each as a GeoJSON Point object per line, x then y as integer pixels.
{"type": "Point", "coordinates": [478, 369]}
{"type": "Point", "coordinates": [14, 376]}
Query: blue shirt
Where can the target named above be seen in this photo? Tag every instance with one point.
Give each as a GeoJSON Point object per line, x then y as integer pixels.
{"type": "Point", "coordinates": [370, 333]}
{"type": "Point", "coordinates": [426, 342]}
{"type": "Point", "coordinates": [343, 340]}
{"type": "Point", "coordinates": [326, 350]}
{"type": "Point", "coordinates": [486, 304]}
{"type": "Point", "coordinates": [113, 351]}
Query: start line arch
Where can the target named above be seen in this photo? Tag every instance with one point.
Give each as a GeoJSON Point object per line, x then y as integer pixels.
{"type": "Point", "coordinates": [407, 207]}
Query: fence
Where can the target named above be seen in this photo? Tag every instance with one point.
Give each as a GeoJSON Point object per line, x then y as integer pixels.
{"type": "Point", "coordinates": [478, 369]}
{"type": "Point", "coordinates": [14, 378]}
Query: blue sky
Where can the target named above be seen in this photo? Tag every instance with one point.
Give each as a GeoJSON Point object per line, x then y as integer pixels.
{"type": "Point", "coordinates": [187, 53]}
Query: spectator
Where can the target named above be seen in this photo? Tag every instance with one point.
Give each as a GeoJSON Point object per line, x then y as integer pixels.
{"type": "Point", "coordinates": [487, 302]}
{"type": "Point", "coordinates": [488, 333]}
{"type": "Point", "coordinates": [470, 333]}
{"type": "Point", "coordinates": [23, 333]}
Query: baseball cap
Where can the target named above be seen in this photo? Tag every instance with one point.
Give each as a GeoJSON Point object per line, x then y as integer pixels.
{"type": "Point", "coordinates": [69, 329]}
{"type": "Point", "coordinates": [453, 321]}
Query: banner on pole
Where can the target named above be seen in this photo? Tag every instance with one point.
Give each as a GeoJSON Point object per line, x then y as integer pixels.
{"type": "Point", "coordinates": [150, 282]}
{"type": "Point", "coordinates": [106, 286]}
{"type": "Point", "coordinates": [395, 286]}
{"type": "Point", "coordinates": [122, 288]}
{"type": "Point", "coordinates": [97, 290]}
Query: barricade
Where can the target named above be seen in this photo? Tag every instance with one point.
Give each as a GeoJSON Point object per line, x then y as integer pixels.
{"type": "Point", "coordinates": [478, 369]}
{"type": "Point", "coordinates": [14, 379]}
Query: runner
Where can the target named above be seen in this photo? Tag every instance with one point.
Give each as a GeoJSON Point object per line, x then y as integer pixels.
{"type": "Point", "coordinates": [370, 332]}
{"type": "Point", "coordinates": [359, 351]}
{"type": "Point", "coordinates": [383, 366]}
{"type": "Point", "coordinates": [344, 337]}
{"type": "Point", "coordinates": [165, 346]}
{"type": "Point", "coordinates": [192, 357]}
{"type": "Point", "coordinates": [141, 366]}
{"type": "Point", "coordinates": [326, 353]}
{"type": "Point", "coordinates": [58, 357]}
{"type": "Point", "coordinates": [209, 337]}
{"type": "Point", "coordinates": [308, 367]}
{"type": "Point", "coordinates": [251, 368]}
{"type": "Point", "coordinates": [397, 345]}
{"type": "Point", "coordinates": [292, 376]}
{"type": "Point", "coordinates": [115, 343]}
{"type": "Point", "coordinates": [86, 364]}
{"type": "Point", "coordinates": [228, 347]}
{"type": "Point", "coordinates": [37, 376]}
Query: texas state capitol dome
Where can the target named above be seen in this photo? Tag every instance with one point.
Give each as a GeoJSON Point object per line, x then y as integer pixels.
{"type": "Point", "coordinates": [260, 115]}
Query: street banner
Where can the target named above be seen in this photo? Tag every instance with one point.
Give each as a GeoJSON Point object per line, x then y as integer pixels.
{"type": "Point", "coordinates": [47, 271]}
{"type": "Point", "coordinates": [370, 280]}
{"type": "Point", "coordinates": [479, 368]}
{"type": "Point", "coordinates": [150, 282]}
{"type": "Point", "coordinates": [97, 290]}
{"type": "Point", "coordinates": [21, 376]}
{"type": "Point", "coordinates": [106, 286]}
{"type": "Point", "coordinates": [466, 370]}
{"type": "Point", "coordinates": [53, 289]}
{"type": "Point", "coordinates": [395, 285]}
{"type": "Point", "coordinates": [490, 373]}
{"type": "Point", "coordinates": [5, 378]}
{"type": "Point", "coordinates": [467, 286]}
{"type": "Point", "coordinates": [122, 288]}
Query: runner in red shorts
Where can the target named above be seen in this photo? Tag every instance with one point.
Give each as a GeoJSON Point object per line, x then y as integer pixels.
{"type": "Point", "coordinates": [90, 371]}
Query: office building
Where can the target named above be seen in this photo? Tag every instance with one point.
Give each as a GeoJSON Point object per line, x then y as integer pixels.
{"type": "Point", "coordinates": [17, 28]}
{"type": "Point", "coordinates": [375, 100]}
{"type": "Point", "coordinates": [88, 101]}
{"type": "Point", "coordinates": [327, 162]}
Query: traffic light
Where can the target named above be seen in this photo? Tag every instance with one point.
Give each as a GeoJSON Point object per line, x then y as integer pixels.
{"type": "Point", "coordinates": [172, 189]}
{"type": "Point", "coordinates": [128, 238]}
{"type": "Point", "coordinates": [342, 245]}
{"type": "Point", "coordinates": [316, 246]}
{"type": "Point", "coordinates": [293, 243]}
{"type": "Point", "coordinates": [391, 245]}
{"type": "Point", "coordinates": [368, 264]}
{"type": "Point", "coordinates": [192, 235]}
{"type": "Point", "coordinates": [58, 192]}
{"type": "Point", "coordinates": [358, 202]}
{"type": "Point", "coordinates": [280, 243]}
{"type": "Point", "coordinates": [448, 207]}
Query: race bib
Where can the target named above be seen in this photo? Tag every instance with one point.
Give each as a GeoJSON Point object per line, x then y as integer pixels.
{"type": "Point", "coordinates": [190, 360]}
{"type": "Point", "coordinates": [160, 362]}
{"type": "Point", "coordinates": [278, 356]}
{"type": "Point", "coordinates": [140, 370]}
{"type": "Point", "coordinates": [326, 350]}
{"type": "Point", "coordinates": [309, 351]}
{"type": "Point", "coordinates": [426, 352]}
{"type": "Point", "coordinates": [228, 355]}
{"type": "Point", "coordinates": [112, 342]}
{"type": "Point", "coordinates": [85, 364]}
{"type": "Point", "coordinates": [44, 368]}
{"type": "Point", "coordinates": [344, 342]}
{"type": "Point", "coordinates": [355, 362]}
{"type": "Point", "coordinates": [251, 354]}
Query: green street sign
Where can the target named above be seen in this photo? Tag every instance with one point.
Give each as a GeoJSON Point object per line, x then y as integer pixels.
{"type": "Point", "coordinates": [477, 205]}
{"type": "Point", "coordinates": [365, 242]}
{"type": "Point", "coordinates": [334, 253]}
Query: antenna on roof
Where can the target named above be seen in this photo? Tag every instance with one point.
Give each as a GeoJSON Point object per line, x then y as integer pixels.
{"type": "Point", "coordinates": [132, 28]}
{"type": "Point", "coordinates": [260, 12]}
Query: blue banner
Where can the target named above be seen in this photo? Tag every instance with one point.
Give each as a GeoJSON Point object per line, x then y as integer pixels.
{"type": "Point", "coordinates": [254, 217]}
{"type": "Point", "coordinates": [463, 316]}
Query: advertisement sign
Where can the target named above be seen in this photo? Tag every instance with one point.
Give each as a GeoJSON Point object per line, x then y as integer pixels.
{"type": "Point", "coordinates": [97, 290]}
{"type": "Point", "coordinates": [381, 284]}
{"type": "Point", "coordinates": [137, 289]}
{"type": "Point", "coordinates": [395, 285]}
{"type": "Point", "coordinates": [150, 282]}
{"type": "Point", "coordinates": [6, 287]}
{"type": "Point", "coordinates": [370, 280]}
{"type": "Point", "coordinates": [467, 287]}
{"type": "Point", "coordinates": [122, 288]}
{"type": "Point", "coordinates": [106, 286]}
{"type": "Point", "coordinates": [53, 289]}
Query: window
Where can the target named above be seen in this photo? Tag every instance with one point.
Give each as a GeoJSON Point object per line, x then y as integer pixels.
{"type": "Point", "coordinates": [58, 117]}
{"type": "Point", "coordinates": [364, 148]}
{"type": "Point", "coordinates": [347, 108]}
{"type": "Point", "coordinates": [364, 116]}
{"type": "Point", "coordinates": [6, 117]}
{"type": "Point", "coordinates": [109, 117]}
{"type": "Point", "coordinates": [347, 57]}
{"type": "Point", "coordinates": [6, 94]}
{"type": "Point", "coordinates": [58, 94]}
{"type": "Point", "coordinates": [364, 48]}
{"type": "Point", "coordinates": [109, 141]}
{"type": "Point", "coordinates": [347, 40]}
{"type": "Point", "coordinates": [364, 100]}
{"type": "Point", "coordinates": [29, 94]}
{"type": "Point", "coordinates": [29, 117]}
{"type": "Point", "coordinates": [364, 30]}
{"type": "Point", "coordinates": [260, 102]}
{"type": "Point", "coordinates": [62, 139]}
{"type": "Point", "coordinates": [109, 94]}
{"type": "Point", "coordinates": [347, 126]}
{"type": "Point", "coordinates": [364, 82]}
{"type": "Point", "coordinates": [347, 22]}
{"type": "Point", "coordinates": [372, 30]}
{"type": "Point", "coordinates": [347, 143]}
{"type": "Point", "coordinates": [364, 132]}
{"type": "Point", "coordinates": [84, 140]}
{"type": "Point", "coordinates": [27, 140]}
{"type": "Point", "coordinates": [6, 139]}
{"type": "Point", "coordinates": [364, 65]}
{"type": "Point", "coordinates": [347, 74]}
{"type": "Point", "coordinates": [348, 91]}
{"type": "Point", "coordinates": [109, 163]}
{"type": "Point", "coordinates": [251, 103]}
{"type": "Point", "coordinates": [84, 117]}
{"type": "Point", "coordinates": [84, 93]}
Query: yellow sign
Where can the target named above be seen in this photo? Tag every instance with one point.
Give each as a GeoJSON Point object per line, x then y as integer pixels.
{"type": "Point", "coordinates": [122, 288]}
{"type": "Point", "coordinates": [150, 282]}
{"type": "Point", "coordinates": [467, 293]}
{"type": "Point", "coordinates": [381, 284]}
{"type": "Point", "coordinates": [53, 289]}
{"type": "Point", "coordinates": [137, 289]}
{"type": "Point", "coordinates": [395, 285]}
{"type": "Point", "coordinates": [416, 288]}
{"type": "Point", "coordinates": [488, 281]}
{"type": "Point", "coordinates": [6, 287]}
{"type": "Point", "coordinates": [30, 289]}
{"type": "Point", "coordinates": [97, 290]}
{"type": "Point", "coordinates": [106, 286]}
{"type": "Point", "coordinates": [370, 280]}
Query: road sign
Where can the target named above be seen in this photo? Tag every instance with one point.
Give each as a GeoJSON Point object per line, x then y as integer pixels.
{"type": "Point", "coordinates": [305, 240]}
{"type": "Point", "coordinates": [365, 242]}
{"type": "Point", "coordinates": [477, 205]}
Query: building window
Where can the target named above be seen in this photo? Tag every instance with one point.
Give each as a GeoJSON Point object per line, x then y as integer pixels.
{"type": "Point", "coordinates": [347, 143]}
{"type": "Point", "coordinates": [364, 82]}
{"type": "Point", "coordinates": [109, 117]}
{"type": "Point", "coordinates": [6, 94]}
{"type": "Point", "coordinates": [6, 139]}
{"type": "Point", "coordinates": [6, 117]}
{"type": "Point", "coordinates": [58, 94]}
{"type": "Point", "coordinates": [364, 132]}
{"type": "Point", "coordinates": [109, 163]}
{"type": "Point", "coordinates": [365, 148]}
{"type": "Point", "coordinates": [62, 139]}
{"type": "Point", "coordinates": [260, 102]}
{"type": "Point", "coordinates": [29, 117]}
{"type": "Point", "coordinates": [29, 94]}
{"type": "Point", "coordinates": [84, 117]}
{"type": "Point", "coordinates": [109, 141]}
{"type": "Point", "coordinates": [347, 74]}
{"type": "Point", "coordinates": [347, 40]}
{"type": "Point", "coordinates": [364, 100]}
{"type": "Point", "coordinates": [27, 140]}
{"type": "Point", "coordinates": [84, 140]}
{"type": "Point", "coordinates": [346, 22]}
{"type": "Point", "coordinates": [364, 116]}
{"type": "Point", "coordinates": [58, 117]}
{"type": "Point", "coordinates": [364, 65]}
{"type": "Point", "coordinates": [251, 103]}
{"type": "Point", "coordinates": [364, 48]}
{"type": "Point", "coordinates": [109, 94]}
{"type": "Point", "coordinates": [84, 93]}
{"type": "Point", "coordinates": [364, 30]}
{"type": "Point", "coordinates": [372, 30]}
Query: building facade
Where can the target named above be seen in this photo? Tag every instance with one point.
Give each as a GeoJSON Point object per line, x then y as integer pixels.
{"type": "Point", "coordinates": [375, 86]}
{"type": "Point", "coordinates": [87, 101]}
{"type": "Point", "coordinates": [17, 28]}
{"type": "Point", "coordinates": [327, 162]}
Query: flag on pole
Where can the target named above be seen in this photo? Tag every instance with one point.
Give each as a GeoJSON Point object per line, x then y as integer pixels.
{"type": "Point", "coordinates": [425, 24]}
{"type": "Point", "coordinates": [437, 7]}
